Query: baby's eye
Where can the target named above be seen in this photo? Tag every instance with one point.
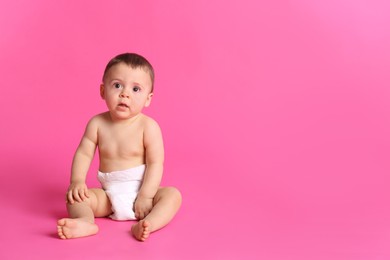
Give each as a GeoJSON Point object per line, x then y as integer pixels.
{"type": "Point", "coordinates": [136, 89]}
{"type": "Point", "coordinates": [117, 85]}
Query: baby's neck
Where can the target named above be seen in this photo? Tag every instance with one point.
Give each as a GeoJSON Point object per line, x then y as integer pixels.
{"type": "Point", "coordinates": [127, 121]}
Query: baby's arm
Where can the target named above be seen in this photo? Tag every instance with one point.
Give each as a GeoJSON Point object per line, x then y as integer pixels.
{"type": "Point", "coordinates": [82, 159]}
{"type": "Point", "coordinates": [154, 152]}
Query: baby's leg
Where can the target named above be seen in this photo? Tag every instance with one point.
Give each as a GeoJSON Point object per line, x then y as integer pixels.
{"type": "Point", "coordinates": [165, 205]}
{"type": "Point", "coordinates": [82, 215]}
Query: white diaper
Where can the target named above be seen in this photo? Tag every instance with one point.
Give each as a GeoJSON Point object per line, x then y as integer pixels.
{"type": "Point", "coordinates": [122, 188]}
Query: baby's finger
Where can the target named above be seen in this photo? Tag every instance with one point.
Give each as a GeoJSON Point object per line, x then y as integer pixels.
{"type": "Point", "coordinates": [141, 215]}
{"type": "Point", "coordinates": [70, 197]}
{"type": "Point", "coordinates": [76, 196]}
{"type": "Point", "coordinates": [87, 192]}
{"type": "Point", "coordinates": [82, 195]}
{"type": "Point", "coordinates": [138, 214]}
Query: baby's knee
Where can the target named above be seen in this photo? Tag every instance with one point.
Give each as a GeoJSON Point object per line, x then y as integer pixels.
{"type": "Point", "coordinates": [173, 193]}
{"type": "Point", "coordinates": [86, 202]}
{"type": "Point", "coordinates": [89, 199]}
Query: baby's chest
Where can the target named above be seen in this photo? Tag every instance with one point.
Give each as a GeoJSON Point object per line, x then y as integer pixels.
{"type": "Point", "coordinates": [121, 144]}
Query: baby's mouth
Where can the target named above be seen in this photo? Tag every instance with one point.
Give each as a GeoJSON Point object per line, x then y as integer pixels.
{"type": "Point", "coordinates": [123, 105]}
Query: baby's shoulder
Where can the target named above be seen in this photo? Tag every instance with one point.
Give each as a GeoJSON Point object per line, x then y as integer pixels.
{"type": "Point", "coordinates": [99, 119]}
{"type": "Point", "coordinates": [148, 122]}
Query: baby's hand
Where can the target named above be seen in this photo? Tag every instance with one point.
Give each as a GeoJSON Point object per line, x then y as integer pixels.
{"type": "Point", "coordinates": [142, 207]}
{"type": "Point", "coordinates": [77, 192]}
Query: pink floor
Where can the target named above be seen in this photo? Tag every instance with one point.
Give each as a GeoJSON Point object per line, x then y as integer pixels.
{"type": "Point", "coordinates": [240, 220]}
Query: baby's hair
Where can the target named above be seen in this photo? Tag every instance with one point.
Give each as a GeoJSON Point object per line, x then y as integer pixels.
{"type": "Point", "coordinates": [133, 60]}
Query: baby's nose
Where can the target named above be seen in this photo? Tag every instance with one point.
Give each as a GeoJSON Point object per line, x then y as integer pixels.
{"type": "Point", "coordinates": [123, 94]}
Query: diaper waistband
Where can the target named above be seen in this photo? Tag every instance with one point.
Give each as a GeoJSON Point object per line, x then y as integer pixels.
{"type": "Point", "coordinates": [132, 174]}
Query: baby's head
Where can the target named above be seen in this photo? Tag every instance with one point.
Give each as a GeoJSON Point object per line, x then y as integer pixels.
{"type": "Point", "coordinates": [133, 60]}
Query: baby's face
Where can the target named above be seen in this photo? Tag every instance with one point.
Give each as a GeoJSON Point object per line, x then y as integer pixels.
{"type": "Point", "coordinates": [126, 91]}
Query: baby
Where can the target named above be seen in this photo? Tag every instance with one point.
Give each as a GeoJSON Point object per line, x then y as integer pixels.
{"type": "Point", "coordinates": [131, 154]}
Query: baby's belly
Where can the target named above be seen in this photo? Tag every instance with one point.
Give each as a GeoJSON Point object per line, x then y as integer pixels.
{"type": "Point", "coordinates": [119, 164]}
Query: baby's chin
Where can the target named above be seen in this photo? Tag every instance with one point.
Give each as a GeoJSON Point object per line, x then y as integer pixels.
{"type": "Point", "coordinates": [123, 115]}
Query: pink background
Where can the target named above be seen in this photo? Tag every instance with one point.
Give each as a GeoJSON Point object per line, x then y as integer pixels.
{"type": "Point", "coordinates": [276, 118]}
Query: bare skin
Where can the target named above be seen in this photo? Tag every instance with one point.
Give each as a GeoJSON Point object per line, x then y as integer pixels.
{"type": "Point", "coordinates": [165, 205]}
{"type": "Point", "coordinates": [74, 228]}
{"type": "Point", "coordinates": [82, 215]}
{"type": "Point", "coordinates": [126, 138]}
{"type": "Point", "coordinates": [141, 230]}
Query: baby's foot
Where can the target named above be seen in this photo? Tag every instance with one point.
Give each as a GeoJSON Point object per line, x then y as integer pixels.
{"type": "Point", "coordinates": [73, 228]}
{"type": "Point", "coordinates": [141, 230]}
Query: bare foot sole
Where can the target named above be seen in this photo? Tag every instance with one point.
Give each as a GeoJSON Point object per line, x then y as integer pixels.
{"type": "Point", "coordinates": [141, 230]}
{"type": "Point", "coordinates": [74, 228]}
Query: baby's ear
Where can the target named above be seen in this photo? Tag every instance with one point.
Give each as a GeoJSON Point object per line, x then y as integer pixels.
{"type": "Point", "coordinates": [102, 90]}
{"type": "Point", "coordinates": [149, 100]}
